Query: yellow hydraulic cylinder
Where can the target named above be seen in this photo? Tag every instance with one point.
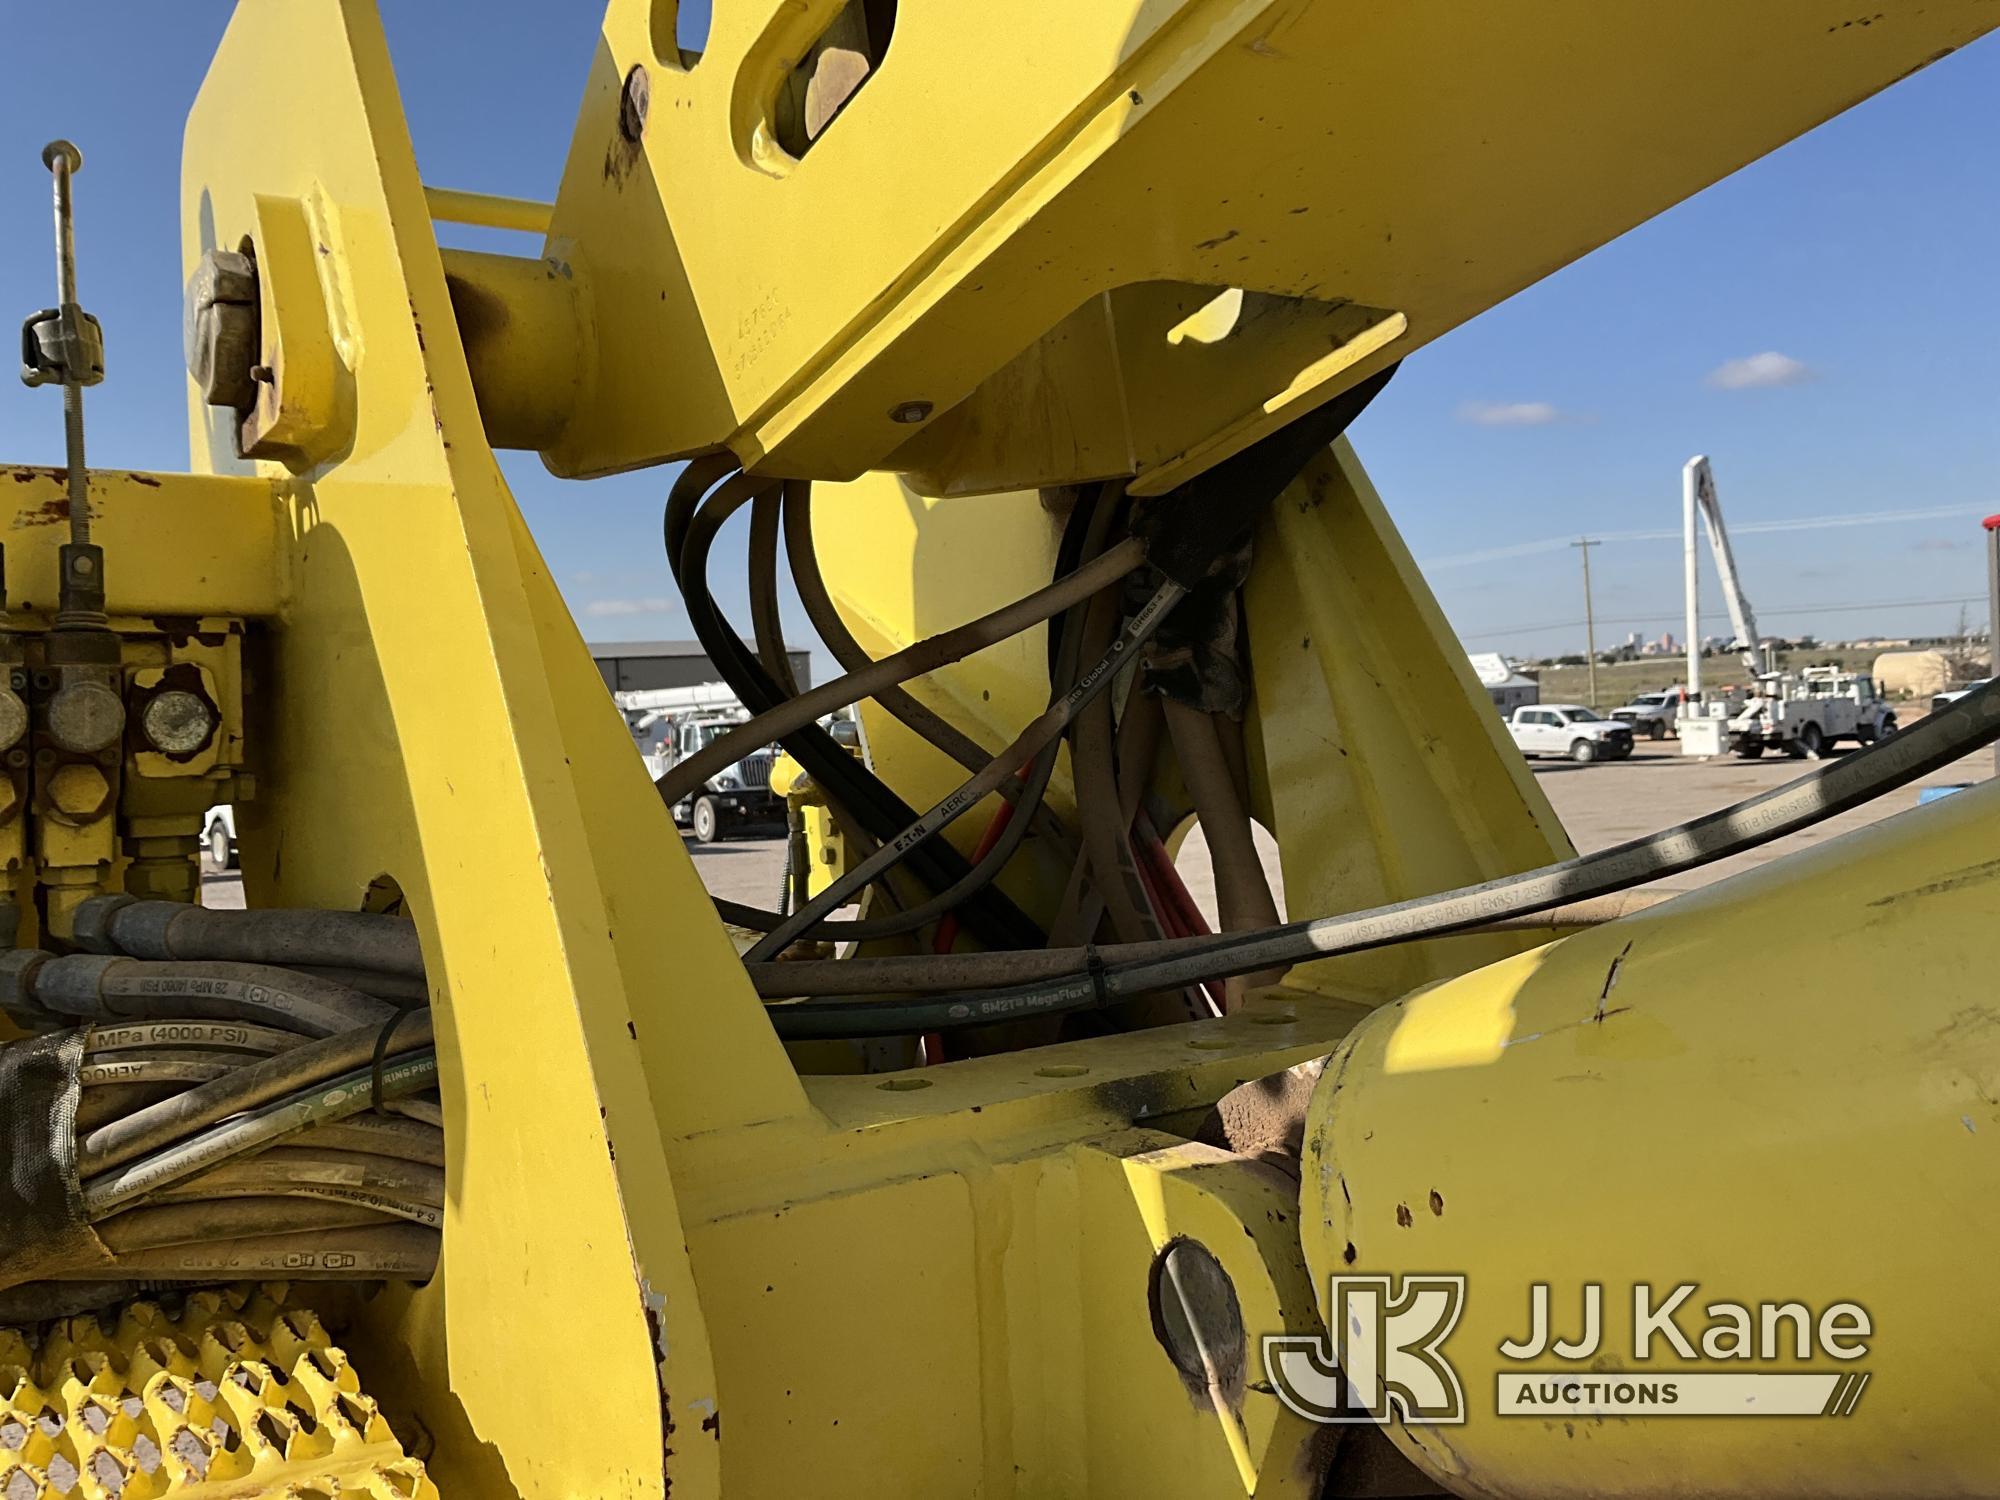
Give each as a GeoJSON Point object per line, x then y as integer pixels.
{"type": "Point", "coordinates": [1783, 1090]}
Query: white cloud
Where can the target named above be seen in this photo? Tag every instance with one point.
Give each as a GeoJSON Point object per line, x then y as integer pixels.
{"type": "Point", "coordinates": [1759, 370]}
{"type": "Point", "coordinates": [610, 608]}
{"type": "Point", "coordinates": [1509, 413]}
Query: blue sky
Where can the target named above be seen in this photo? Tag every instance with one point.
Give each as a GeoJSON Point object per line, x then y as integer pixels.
{"type": "Point", "coordinates": [1823, 325]}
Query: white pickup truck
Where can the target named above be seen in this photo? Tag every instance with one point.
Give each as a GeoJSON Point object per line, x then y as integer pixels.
{"type": "Point", "coordinates": [1655, 715]}
{"type": "Point", "coordinates": [1569, 729]}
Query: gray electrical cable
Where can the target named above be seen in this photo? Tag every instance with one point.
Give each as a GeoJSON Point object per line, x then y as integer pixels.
{"type": "Point", "coordinates": [335, 1099]}
{"type": "Point", "coordinates": [243, 1088]}
{"type": "Point", "coordinates": [1830, 789]}
{"type": "Point", "coordinates": [686, 776]}
{"type": "Point", "coordinates": [1039, 735]}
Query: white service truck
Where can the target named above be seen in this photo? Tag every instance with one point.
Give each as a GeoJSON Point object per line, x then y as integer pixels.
{"type": "Point", "coordinates": [1806, 714]}
{"type": "Point", "coordinates": [1655, 715]}
{"type": "Point", "coordinates": [669, 723]}
{"type": "Point", "coordinates": [1571, 730]}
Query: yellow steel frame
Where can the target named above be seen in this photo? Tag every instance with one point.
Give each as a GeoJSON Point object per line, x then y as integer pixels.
{"type": "Point", "coordinates": [669, 1260]}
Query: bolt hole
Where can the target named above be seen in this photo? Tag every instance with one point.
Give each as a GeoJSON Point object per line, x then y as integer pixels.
{"type": "Point", "coordinates": [903, 1085]}
{"type": "Point", "coordinates": [1062, 1070]}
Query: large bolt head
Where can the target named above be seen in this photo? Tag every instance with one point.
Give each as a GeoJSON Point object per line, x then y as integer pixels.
{"type": "Point", "coordinates": [86, 717]}
{"type": "Point", "coordinates": [221, 329]}
{"type": "Point", "coordinates": [177, 722]}
{"type": "Point", "coordinates": [79, 790]}
{"type": "Point", "coordinates": [13, 718]}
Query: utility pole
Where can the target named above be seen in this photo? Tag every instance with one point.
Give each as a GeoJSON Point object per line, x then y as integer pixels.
{"type": "Point", "coordinates": [1993, 606]}
{"type": "Point", "coordinates": [1589, 617]}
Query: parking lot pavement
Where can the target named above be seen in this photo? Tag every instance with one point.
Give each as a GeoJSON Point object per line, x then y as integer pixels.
{"type": "Point", "coordinates": [1600, 805]}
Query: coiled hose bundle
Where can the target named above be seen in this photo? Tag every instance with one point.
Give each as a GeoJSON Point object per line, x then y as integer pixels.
{"type": "Point", "coordinates": [218, 1096]}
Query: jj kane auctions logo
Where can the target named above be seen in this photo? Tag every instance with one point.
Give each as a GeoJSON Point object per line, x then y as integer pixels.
{"type": "Point", "coordinates": [1385, 1356]}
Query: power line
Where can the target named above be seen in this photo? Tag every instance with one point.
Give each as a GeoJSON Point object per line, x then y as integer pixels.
{"type": "Point", "coordinates": [1670, 615]}
{"type": "Point", "coordinates": [1741, 528]}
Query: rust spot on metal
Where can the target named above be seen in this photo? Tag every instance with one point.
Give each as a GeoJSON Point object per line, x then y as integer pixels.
{"type": "Point", "coordinates": [1611, 979]}
{"type": "Point", "coordinates": [1221, 239]}
{"type": "Point", "coordinates": [1437, 1203]}
{"type": "Point", "coordinates": [712, 1425]}
{"type": "Point", "coordinates": [1404, 1218]}
{"type": "Point", "coordinates": [1347, 1255]}
{"type": "Point", "coordinates": [150, 481]}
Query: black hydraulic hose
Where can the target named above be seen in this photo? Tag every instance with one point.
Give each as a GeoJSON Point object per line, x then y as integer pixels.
{"type": "Point", "coordinates": [1039, 734]}
{"type": "Point", "coordinates": [832, 629]}
{"type": "Point", "coordinates": [288, 938]}
{"type": "Point", "coordinates": [688, 775]}
{"type": "Point", "coordinates": [997, 921]}
{"type": "Point", "coordinates": [1832, 788]}
{"type": "Point", "coordinates": [93, 987]}
{"type": "Point", "coordinates": [765, 621]}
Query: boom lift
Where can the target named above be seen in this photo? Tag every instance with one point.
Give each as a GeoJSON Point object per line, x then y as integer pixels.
{"type": "Point", "coordinates": [480, 1156]}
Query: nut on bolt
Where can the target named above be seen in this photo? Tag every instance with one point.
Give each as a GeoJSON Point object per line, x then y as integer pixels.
{"type": "Point", "coordinates": [79, 790]}
{"type": "Point", "coordinates": [222, 328]}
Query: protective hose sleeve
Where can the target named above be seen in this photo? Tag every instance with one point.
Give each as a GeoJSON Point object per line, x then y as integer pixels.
{"type": "Point", "coordinates": [46, 1229]}
{"type": "Point", "coordinates": [289, 938]}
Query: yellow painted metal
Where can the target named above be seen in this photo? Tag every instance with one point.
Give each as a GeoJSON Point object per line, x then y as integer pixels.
{"type": "Point", "coordinates": [178, 545]}
{"type": "Point", "coordinates": [435, 718]}
{"type": "Point", "coordinates": [525, 339]}
{"type": "Point", "coordinates": [929, 1281]}
{"type": "Point", "coordinates": [487, 210]}
{"type": "Point", "coordinates": [1087, 175]}
{"type": "Point", "coordinates": [1781, 1087]}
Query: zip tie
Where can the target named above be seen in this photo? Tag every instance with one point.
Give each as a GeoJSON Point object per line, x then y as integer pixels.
{"type": "Point", "coordinates": [1095, 966]}
{"type": "Point", "coordinates": [382, 1040]}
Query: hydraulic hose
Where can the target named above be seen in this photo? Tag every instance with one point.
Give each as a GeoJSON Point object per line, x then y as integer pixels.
{"type": "Point", "coordinates": [334, 1099]}
{"type": "Point", "coordinates": [245, 1088]}
{"type": "Point", "coordinates": [815, 978]}
{"type": "Point", "coordinates": [855, 791]}
{"type": "Point", "coordinates": [765, 622]}
{"type": "Point", "coordinates": [1243, 895]}
{"type": "Point", "coordinates": [288, 938]}
{"type": "Point", "coordinates": [688, 775]}
{"type": "Point", "coordinates": [1039, 735]}
{"type": "Point", "coordinates": [92, 987]}
{"type": "Point", "coordinates": [1828, 790]}
{"type": "Point", "coordinates": [826, 620]}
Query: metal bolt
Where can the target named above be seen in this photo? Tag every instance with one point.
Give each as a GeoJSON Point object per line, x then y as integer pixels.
{"type": "Point", "coordinates": [177, 722]}
{"type": "Point", "coordinates": [78, 789]}
{"type": "Point", "coordinates": [909, 413]}
{"type": "Point", "coordinates": [633, 103]}
{"type": "Point", "coordinates": [13, 718]}
{"type": "Point", "coordinates": [85, 717]}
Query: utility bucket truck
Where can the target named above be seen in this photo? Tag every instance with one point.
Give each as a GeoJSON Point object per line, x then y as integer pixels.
{"type": "Point", "coordinates": [669, 723]}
